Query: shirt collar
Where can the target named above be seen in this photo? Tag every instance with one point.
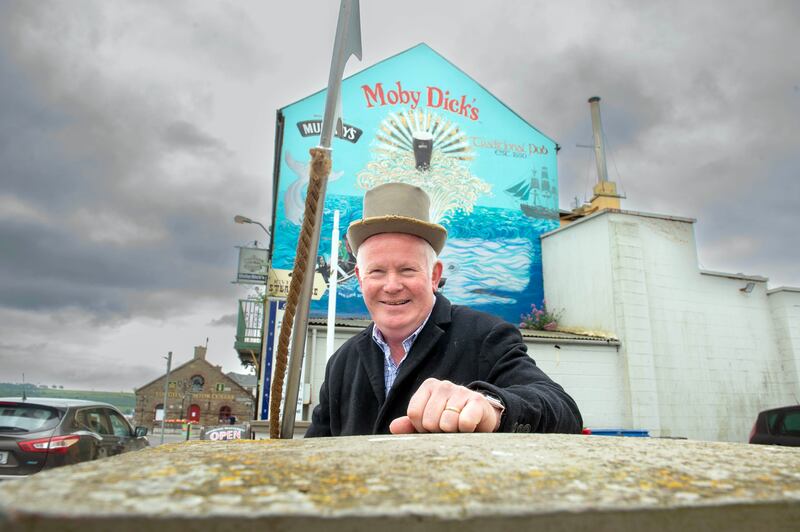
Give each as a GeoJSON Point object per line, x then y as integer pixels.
{"type": "Point", "coordinates": [377, 337]}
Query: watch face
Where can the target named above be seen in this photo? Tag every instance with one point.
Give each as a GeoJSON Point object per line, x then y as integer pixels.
{"type": "Point", "coordinates": [495, 402]}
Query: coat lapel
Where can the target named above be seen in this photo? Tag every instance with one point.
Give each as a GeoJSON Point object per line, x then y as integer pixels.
{"type": "Point", "coordinates": [372, 360]}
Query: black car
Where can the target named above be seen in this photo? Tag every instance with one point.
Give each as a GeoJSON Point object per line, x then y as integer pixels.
{"type": "Point", "coordinates": [39, 433]}
{"type": "Point", "coordinates": [779, 426]}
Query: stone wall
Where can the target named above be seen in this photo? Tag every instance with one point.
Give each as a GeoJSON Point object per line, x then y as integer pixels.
{"type": "Point", "coordinates": [423, 482]}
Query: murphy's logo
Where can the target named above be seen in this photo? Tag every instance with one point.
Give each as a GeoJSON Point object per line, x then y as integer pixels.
{"type": "Point", "coordinates": [343, 131]}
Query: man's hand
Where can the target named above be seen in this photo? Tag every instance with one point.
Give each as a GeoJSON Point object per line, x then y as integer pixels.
{"type": "Point", "coordinates": [441, 406]}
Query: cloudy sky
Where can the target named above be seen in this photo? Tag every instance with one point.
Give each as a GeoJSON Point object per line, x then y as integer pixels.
{"type": "Point", "coordinates": [131, 133]}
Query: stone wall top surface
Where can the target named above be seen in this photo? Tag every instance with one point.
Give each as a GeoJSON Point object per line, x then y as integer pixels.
{"type": "Point", "coordinates": [444, 478]}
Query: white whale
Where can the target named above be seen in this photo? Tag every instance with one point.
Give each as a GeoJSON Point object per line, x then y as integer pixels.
{"type": "Point", "coordinates": [294, 201]}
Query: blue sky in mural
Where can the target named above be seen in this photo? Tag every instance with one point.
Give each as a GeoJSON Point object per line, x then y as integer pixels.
{"type": "Point", "coordinates": [491, 176]}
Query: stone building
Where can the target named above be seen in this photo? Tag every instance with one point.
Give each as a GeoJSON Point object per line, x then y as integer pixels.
{"type": "Point", "coordinates": [197, 392]}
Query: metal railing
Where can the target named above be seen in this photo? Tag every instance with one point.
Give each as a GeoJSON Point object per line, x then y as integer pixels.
{"type": "Point", "coordinates": [249, 325]}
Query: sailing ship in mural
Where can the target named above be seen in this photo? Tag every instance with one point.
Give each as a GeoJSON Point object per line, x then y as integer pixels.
{"type": "Point", "coordinates": [538, 199]}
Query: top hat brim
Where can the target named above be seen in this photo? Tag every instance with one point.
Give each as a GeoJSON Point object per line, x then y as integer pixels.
{"type": "Point", "coordinates": [359, 231]}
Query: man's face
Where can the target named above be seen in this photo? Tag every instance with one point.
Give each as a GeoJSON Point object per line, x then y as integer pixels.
{"type": "Point", "coordinates": [397, 287]}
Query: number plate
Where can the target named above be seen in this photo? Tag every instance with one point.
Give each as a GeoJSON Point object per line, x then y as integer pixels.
{"type": "Point", "coordinates": [3, 457]}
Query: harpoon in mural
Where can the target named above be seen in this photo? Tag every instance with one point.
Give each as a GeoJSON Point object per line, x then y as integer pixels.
{"type": "Point", "coordinates": [416, 118]}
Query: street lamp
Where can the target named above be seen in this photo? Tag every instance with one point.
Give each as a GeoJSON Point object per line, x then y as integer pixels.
{"type": "Point", "coordinates": [239, 219]}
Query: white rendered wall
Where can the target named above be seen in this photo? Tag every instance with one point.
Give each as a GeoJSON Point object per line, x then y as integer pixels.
{"type": "Point", "coordinates": [702, 358]}
{"type": "Point", "coordinates": [592, 374]}
{"type": "Point", "coordinates": [785, 307]}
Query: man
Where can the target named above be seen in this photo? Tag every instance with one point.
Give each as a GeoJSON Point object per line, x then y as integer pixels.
{"type": "Point", "coordinates": [425, 365]}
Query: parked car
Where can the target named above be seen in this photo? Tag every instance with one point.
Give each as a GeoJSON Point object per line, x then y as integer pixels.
{"type": "Point", "coordinates": [41, 432]}
{"type": "Point", "coordinates": [779, 426]}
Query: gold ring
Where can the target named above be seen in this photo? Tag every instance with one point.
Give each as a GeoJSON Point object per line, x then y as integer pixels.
{"type": "Point", "coordinates": [453, 409]}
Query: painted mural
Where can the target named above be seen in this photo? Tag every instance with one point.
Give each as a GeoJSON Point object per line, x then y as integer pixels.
{"type": "Point", "coordinates": [416, 118]}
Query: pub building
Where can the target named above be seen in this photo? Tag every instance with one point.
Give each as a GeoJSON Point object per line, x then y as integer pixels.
{"type": "Point", "coordinates": [197, 392]}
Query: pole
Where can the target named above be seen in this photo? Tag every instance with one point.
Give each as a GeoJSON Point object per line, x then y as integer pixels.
{"type": "Point", "coordinates": [599, 145]}
{"type": "Point", "coordinates": [334, 278]}
{"type": "Point", "coordinates": [166, 388]}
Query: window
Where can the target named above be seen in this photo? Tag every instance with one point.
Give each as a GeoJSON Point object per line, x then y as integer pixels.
{"type": "Point", "coordinates": [224, 414]}
{"type": "Point", "coordinates": [772, 419]}
{"type": "Point", "coordinates": [220, 387]}
{"type": "Point", "coordinates": [159, 412]}
{"type": "Point", "coordinates": [28, 418]}
{"type": "Point", "coordinates": [791, 423]}
{"type": "Point", "coordinates": [197, 383]}
{"type": "Point", "coordinates": [119, 425]}
{"type": "Point", "coordinates": [93, 419]}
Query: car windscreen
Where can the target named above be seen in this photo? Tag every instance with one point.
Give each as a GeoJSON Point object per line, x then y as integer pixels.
{"type": "Point", "coordinates": [19, 418]}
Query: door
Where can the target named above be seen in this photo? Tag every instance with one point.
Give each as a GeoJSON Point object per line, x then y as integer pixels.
{"type": "Point", "coordinates": [96, 421]}
{"type": "Point", "coordinates": [194, 414]}
{"type": "Point", "coordinates": [126, 440]}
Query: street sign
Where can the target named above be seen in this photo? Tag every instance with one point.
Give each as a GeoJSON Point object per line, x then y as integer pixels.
{"type": "Point", "coordinates": [253, 265]}
{"type": "Point", "coordinates": [278, 285]}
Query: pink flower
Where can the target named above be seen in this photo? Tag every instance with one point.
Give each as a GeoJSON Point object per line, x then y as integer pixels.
{"type": "Point", "coordinates": [550, 326]}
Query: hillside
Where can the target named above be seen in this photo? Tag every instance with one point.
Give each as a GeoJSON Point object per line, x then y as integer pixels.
{"type": "Point", "coordinates": [125, 401]}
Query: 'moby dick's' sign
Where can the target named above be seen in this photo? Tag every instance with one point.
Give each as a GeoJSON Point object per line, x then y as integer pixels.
{"type": "Point", "coordinates": [434, 98]}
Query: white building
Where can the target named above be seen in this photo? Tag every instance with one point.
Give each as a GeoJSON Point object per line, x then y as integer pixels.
{"type": "Point", "coordinates": [700, 354]}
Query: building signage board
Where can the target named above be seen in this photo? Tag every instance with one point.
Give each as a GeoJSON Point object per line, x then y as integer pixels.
{"type": "Point", "coordinates": [253, 265]}
{"type": "Point", "coordinates": [280, 279]}
{"type": "Point", "coordinates": [416, 118]}
{"type": "Point", "coordinates": [224, 432]}
{"type": "Point", "coordinates": [275, 312]}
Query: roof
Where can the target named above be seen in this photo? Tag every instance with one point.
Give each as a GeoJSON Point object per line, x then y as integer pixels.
{"type": "Point", "coordinates": [54, 401]}
{"type": "Point", "coordinates": [603, 212]}
{"type": "Point", "coordinates": [527, 334]}
{"type": "Point", "coordinates": [739, 276]}
{"type": "Point", "coordinates": [568, 337]}
{"type": "Point", "coordinates": [190, 361]}
{"type": "Point", "coordinates": [243, 379]}
{"type": "Point", "coordinates": [425, 46]}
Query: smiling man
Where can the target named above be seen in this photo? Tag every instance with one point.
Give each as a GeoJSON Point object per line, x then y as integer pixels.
{"type": "Point", "coordinates": [425, 365]}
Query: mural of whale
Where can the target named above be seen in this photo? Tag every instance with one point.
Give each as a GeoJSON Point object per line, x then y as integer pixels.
{"type": "Point", "coordinates": [294, 201]}
{"type": "Point", "coordinates": [486, 271]}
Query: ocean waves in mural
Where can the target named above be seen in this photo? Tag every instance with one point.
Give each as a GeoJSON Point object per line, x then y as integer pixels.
{"type": "Point", "coordinates": [489, 261]}
{"type": "Point", "coordinates": [481, 272]}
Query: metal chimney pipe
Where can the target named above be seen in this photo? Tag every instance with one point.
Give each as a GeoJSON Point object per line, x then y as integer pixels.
{"type": "Point", "coordinates": [599, 146]}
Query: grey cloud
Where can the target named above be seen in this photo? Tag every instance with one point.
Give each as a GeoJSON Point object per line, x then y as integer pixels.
{"type": "Point", "coordinates": [185, 135]}
{"type": "Point", "coordinates": [226, 321]}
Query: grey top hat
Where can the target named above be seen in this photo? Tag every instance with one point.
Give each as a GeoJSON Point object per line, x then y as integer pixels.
{"type": "Point", "coordinates": [396, 208]}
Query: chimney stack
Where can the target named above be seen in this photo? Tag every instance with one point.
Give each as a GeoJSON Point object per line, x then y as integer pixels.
{"type": "Point", "coordinates": [200, 352]}
{"type": "Point", "coordinates": [605, 191]}
{"type": "Point", "coordinates": [599, 145]}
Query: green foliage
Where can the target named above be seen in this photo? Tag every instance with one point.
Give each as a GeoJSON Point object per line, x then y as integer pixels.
{"type": "Point", "coordinates": [125, 401]}
{"type": "Point", "coordinates": [541, 319]}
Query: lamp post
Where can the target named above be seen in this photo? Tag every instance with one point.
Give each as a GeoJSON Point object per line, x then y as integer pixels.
{"type": "Point", "coordinates": [240, 219]}
{"type": "Point", "coordinates": [166, 389]}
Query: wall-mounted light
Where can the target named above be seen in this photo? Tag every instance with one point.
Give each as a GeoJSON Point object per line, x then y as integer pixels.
{"type": "Point", "coordinates": [748, 287]}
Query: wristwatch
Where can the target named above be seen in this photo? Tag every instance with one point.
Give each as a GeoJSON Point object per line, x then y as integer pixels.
{"type": "Point", "coordinates": [495, 402]}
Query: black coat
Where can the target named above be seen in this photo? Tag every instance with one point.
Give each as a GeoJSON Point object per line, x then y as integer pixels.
{"type": "Point", "coordinates": [458, 344]}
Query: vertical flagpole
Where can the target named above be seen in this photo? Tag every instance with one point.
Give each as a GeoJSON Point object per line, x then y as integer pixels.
{"type": "Point", "coordinates": [334, 278]}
